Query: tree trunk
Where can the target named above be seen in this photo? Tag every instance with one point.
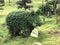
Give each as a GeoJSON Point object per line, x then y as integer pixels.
{"type": "Point", "coordinates": [43, 19]}
{"type": "Point", "coordinates": [9, 2]}
{"type": "Point", "coordinates": [43, 10]}
{"type": "Point", "coordinates": [56, 20]}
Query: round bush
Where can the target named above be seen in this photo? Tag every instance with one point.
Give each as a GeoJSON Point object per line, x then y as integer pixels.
{"type": "Point", "coordinates": [22, 22]}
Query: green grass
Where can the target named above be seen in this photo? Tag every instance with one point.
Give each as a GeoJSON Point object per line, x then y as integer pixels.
{"type": "Point", "coordinates": [44, 37]}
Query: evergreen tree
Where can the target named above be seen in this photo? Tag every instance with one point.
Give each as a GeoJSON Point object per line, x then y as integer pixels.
{"type": "Point", "coordinates": [2, 3]}
{"type": "Point", "coordinates": [22, 4]}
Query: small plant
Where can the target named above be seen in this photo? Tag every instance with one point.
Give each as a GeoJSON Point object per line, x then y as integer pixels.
{"type": "Point", "coordinates": [22, 22]}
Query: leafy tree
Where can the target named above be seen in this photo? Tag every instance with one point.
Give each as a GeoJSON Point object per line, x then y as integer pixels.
{"type": "Point", "coordinates": [54, 3]}
{"type": "Point", "coordinates": [45, 9]}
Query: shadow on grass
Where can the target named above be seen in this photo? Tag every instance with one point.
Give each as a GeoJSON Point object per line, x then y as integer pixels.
{"type": "Point", "coordinates": [17, 39]}
{"type": "Point", "coordinates": [30, 40]}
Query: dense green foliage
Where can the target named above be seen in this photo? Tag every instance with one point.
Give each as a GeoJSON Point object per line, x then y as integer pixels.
{"type": "Point", "coordinates": [52, 2]}
{"type": "Point", "coordinates": [45, 9]}
{"type": "Point", "coordinates": [22, 22]}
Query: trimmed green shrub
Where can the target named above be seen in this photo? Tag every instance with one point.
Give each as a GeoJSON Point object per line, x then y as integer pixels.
{"type": "Point", "coordinates": [22, 22]}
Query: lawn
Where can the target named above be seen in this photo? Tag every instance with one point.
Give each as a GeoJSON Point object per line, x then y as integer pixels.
{"type": "Point", "coordinates": [49, 32]}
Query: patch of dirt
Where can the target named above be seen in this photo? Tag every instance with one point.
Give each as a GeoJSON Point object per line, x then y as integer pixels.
{"type": "Point", "coordinates": [54, 32]}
